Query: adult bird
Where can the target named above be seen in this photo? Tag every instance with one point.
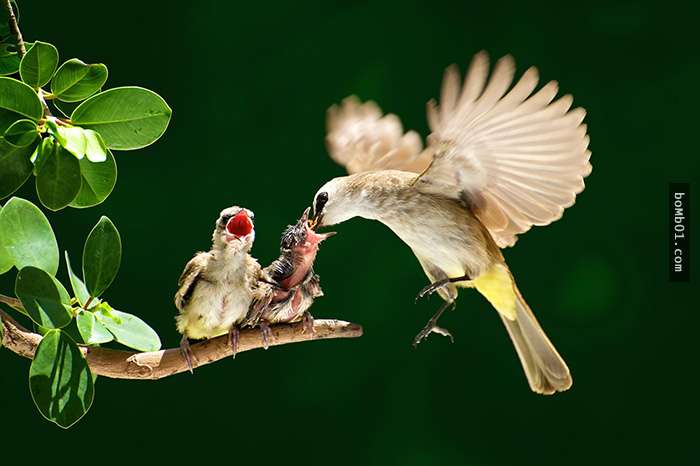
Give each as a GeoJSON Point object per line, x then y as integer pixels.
{"type": "Point", "coordinates": [499, 160]}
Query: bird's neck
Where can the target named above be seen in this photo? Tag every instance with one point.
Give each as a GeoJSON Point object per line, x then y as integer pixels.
{"type": "Point", "coordinates": [375, 195]}
{"type": "Point", "coordinates": [227, 260]}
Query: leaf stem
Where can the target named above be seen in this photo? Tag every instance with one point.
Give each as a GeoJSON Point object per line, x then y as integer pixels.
{"type": "Point", "coordinates": [87, 303]}
{"type": "Point", "coordinates": [21, 49]}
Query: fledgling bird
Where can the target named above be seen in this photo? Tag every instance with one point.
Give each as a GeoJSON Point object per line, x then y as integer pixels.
{"type": "Point", "coordinates": [499, 160]}
{"type": "Point", "coordinates": [216, 288]}
{"type": "Point", "coordinates": [289, 284]}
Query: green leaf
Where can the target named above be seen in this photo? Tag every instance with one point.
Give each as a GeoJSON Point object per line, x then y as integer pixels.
{"type": "Point", "coordinates": [17, 97]}
{"type": "Point", "coordinates": [95, 150]}
{"type": "Point", "coordinates": [65, 108]}
{"type": "Point", "coordinates": [9, 60]}
{"type": "Point", "coordinates": [5, 258]}
{"type": "Point", "coordinates": [128, 329]}
{"type": "Point", "coordinates": [98, 181]}
{"type": "Point", "coordinates": [27, 236]}
{"type": "Point", "coordinates": [60, 380]}
{"type": "Point", "coordinates": [43, 151]}
{"type": "Point", "coordinates": [79, 289]}
{"type": "Point", "coordinates": [43, 297]}
{"type": "Point", "coordinates": [58, 182]}
{"type": "Point", "coordinates": [38, 64]}
{"type": "Point", "coordinates": [15, 166]}
{"type": "Point", "coordinates": [7, 118]}
{"type": "Point", "coordinates": [101, 256]}
{"type": "Point", "coordinates": [21, 133]}
{"type": "Point", "coordinates": [91, 330]}
{"type": "Point", "coordinates": [126, 117]}
{"type": "Point", "coordinates": [72, 139]}
{"type": "Point", "coordinates": [72, 331]}
{"type": "Point", "coordinates": [9, 64]}
{"type": "Point", "coordinates": [75, 80]}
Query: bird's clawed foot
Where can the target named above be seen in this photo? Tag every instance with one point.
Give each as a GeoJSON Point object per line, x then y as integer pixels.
{"type": "Point", "coordinates": [433, 287]}
{"type": "Point", "coordinates": [234, 335]}
{"type": "Point", "coordinates": [432, 326]}
{"type": "Point", "coordinates": [266, 334]}
{"type": "Point", "coordinates": [309, 324]}
{"type": "Point", "coordinates": [187, 353]}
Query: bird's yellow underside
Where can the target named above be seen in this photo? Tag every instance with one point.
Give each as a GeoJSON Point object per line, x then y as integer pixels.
{"type": "Point", "coordinates": [496, 285]}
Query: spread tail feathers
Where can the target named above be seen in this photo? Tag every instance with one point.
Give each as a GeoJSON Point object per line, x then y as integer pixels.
{"type": "Point", "coordinates": [546, 371]}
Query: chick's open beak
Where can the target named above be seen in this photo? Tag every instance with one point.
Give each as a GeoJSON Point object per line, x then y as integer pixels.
{"type": "Point", "coordinates": [311, 234]}
{"type": "Point", "coordinates": [240, 225]}
{"type": "Point", "coordinates": [323, 236]}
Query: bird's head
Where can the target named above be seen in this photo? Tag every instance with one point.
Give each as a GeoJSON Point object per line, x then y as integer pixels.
{"type": "Point", "coordinates": [300, 237]}
{"type": "Point", "coordinates": [334, 203]}
{"type": "Point", "coordinates": [234, 229]}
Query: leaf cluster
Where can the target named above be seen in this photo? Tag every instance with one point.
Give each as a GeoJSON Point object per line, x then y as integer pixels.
{"type": "Point", "coordinates": [28, 243]}
{"type": "Point", "coordinates": [59, 124]}
{"type": "Point", "coordinates": [65, 135]}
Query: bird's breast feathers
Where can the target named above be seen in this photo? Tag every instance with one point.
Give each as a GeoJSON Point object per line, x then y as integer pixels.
{"type": "Point", "coordinates": [217, 303]}
{"type": "Point", "coordinates": [442, 233]}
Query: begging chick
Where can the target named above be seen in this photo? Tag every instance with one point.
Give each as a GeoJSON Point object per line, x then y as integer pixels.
{"type": "Point", "coordinates": [289, 285]}
{"type": "Point", "coordinates": [216, 287]}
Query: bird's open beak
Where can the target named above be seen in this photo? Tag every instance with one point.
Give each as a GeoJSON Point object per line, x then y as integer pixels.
{"type": "Point", "coordinates": [315, 238]}
{"type": "Point", "coordinates": [315, 221]}
{"type": "Point", "coordinates": [311, 224]}
{"type": "Point", "coordinates": [239, 226]}
{"type": "Point", "coordinates": [323, 236]}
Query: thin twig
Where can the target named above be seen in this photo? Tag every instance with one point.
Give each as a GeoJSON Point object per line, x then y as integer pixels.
{"type": "Point", "coordinates": [21, 49]}
{"type": "Point", "coordinates": [154, 365]}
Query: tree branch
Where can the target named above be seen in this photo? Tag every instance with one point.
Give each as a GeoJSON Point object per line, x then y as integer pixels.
{"type": "Point", "coordinates": [14, 27]}
{"type": "Point", "coordinates": [118, 364]}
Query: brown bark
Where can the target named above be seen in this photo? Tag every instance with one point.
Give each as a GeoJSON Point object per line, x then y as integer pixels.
{"type": "Point", "coordinates": [154, 365]}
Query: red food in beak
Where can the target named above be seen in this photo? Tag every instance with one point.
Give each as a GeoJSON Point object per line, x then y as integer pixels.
{"type": "Point", "coordinates": [240, 225]}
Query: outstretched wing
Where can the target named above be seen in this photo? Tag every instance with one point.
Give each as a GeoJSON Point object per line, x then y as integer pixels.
{"type": "Point", "coordinates": [188, 279]}
{"type": "Point", "coordinates": [517, 158]}
{"type": "Point", "coordinates": [361, 139]}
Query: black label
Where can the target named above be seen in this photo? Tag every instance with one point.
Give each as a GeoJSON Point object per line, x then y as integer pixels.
{"type": "Point", "coordinates": [679, 232]}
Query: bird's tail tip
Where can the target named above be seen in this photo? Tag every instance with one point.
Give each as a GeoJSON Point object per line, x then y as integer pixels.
{"type": "Point", "coordinates": [545, 369]}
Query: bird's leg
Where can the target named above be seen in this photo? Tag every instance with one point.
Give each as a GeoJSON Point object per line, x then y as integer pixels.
{"type": "Point", "coordinates": [309, 323]}
{"type": "Point", "coordinates": [233, 336]}
{"type": "Point", "coordinates": [266, 334]}
{"type": "Point", "coordinates": [187, 353]}
{"type": "Point", "coordinates": [433, 287]}
{"type": "Point", "coordinates": [432, 326]}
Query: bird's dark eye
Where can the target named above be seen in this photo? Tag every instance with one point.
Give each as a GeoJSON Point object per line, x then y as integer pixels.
{"type": "Point", "coordinates": [223, 219]}
{"type": "Point", "coordinates": [321, 200]}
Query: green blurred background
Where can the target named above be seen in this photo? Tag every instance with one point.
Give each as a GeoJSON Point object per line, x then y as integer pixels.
{"type": "Point", "coordinates": [249, 84]}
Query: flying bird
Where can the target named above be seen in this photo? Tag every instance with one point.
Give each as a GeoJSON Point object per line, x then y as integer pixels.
{"type": "Point", "coordinates": [500, 159]}
{"type": "Point", "coordinates": [217, 287]}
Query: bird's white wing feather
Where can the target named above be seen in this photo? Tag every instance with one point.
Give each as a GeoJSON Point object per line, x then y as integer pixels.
{"type": "Point", "coordinates": [361, 139]}
{"type": "Point", "coordinates": [517, 157]}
